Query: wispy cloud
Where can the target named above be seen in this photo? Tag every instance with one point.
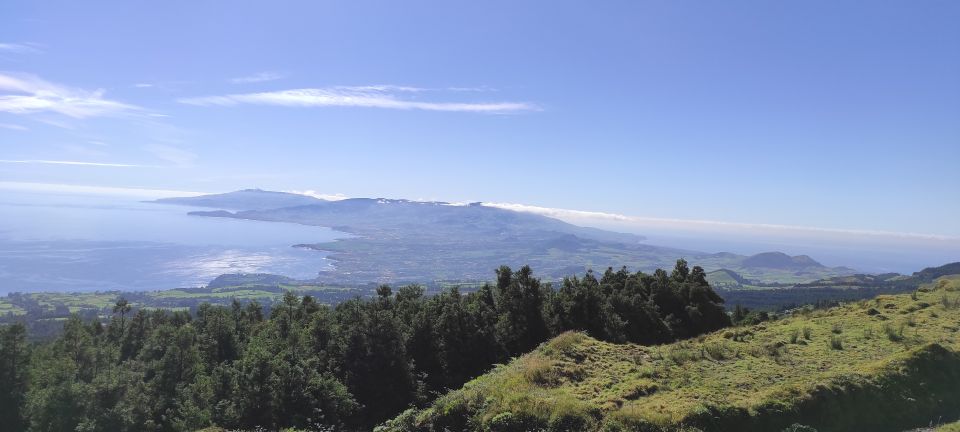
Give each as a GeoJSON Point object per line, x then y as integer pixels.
{"type": "Point", "coordinates": [143, 85]}
{"type": "Point", "coordinates": [376, 96]}
{"type": "Point", "coordinates": [26, 94]}
{"type": "Point", "coordinates": [590, 218]}
{"type": "Point", "coordinates": [19, 48]}
{"type": "Point", "coordinates": [95, 190]}
{"type": "Point", "coordinates": [259, 77]}
{"type": "Point", "coordinates": [323, 196]}
{"type": "Point", "coordinates": [12, 126]}
{"type": "Point", "coordinates": [67, 162]}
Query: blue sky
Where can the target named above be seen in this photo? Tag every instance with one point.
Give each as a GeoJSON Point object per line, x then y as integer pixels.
{"type": "Point", "coordinates": [841, 115]}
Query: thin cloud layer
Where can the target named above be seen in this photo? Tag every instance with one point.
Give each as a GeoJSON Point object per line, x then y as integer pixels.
{"type": "Point", "coordinates": [95, 190]}
{"type": "Point", "coordinates": [67, 162]}
{"type": "Point", "coordinates": [606, 219]}
{"type": "Point", "coordinates": [319, 195]}
{"type": "Point", "coordinates": [377, 96]}
{"type": "Point", "coordinates": [18, 48]}
{"type": "Point", "coordinates": [27, 94]}
{"type": "Point", "coordinates": [12, 126]}
{"type": "Point", "coordinates": [259, 77]}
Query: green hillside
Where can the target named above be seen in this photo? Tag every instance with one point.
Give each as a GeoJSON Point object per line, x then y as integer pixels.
{"type": "Point", "coordinates": [724, 278]}
{"type": "Point", "coordinates": [886, 364]}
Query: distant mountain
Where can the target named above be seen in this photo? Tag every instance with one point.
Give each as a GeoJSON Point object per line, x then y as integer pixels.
{"type": "Point", "coordinates": [930, 273]}
{"type": "Point", "coordinates": [924, 276]}
{"type": "Point", "coordinates": [247, 199]}
{"type": "Point", "coordinates": [780, 260]}
{"type": "Point", "coordinates": [381, 213]}
{"type": "Point", "coordinates": [397, 240]}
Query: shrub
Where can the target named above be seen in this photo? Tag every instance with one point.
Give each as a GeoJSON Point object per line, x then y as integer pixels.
{"type": "Point", "coordinates": [947, 303]}
{"type": "Point", "coordinates": [680, 355]}
{"type": "Point", "coordinates": [565, 420]}
{"type": "Point", "coordinates": [773, 350]}
{"type": "Point", "coordinates": [716, 351]}
{"type": "Point", "coordinates": [807, 331]}
{"type": "Point", "coordinates": [836, 328]}
{"type": "Point", "coordinates": [507, 422]}
{"type": "Point", "coordinates": [794, 336]}
{"type": "Point", "coordinates": [836, 342]}
{"type": "Point", "coordinates": [911, 321]}
{"type": "Point", "coordinates": [893, 334]}
{"type": "Point", "coordinates": [564, 343]}
{"type": "Point", "coordinates": [539, 370]}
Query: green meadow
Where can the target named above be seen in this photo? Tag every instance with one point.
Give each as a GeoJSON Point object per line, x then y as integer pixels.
{"type": "Point", "coordinates": [885, 364]}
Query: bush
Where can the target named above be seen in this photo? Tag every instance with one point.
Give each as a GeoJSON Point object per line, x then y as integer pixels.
{"type": "Point", "coordinates": [538, 370]}
{"type": "Point", "coordinates": [893, 334]}
{"type": "Point", "coordinates": [948, 303]}
{"type": "Point", "coordinates": [570, 421]}
{"type": "Point", "coordinates": [508, 422]}
{"type": "Point", "coordinates": [807, 332]}
{"type": "Point", "coordinates": [836, 342]}
{"type": "Point", "coordinates": [716, 351]}
{"type": "Point", "coordinates": [564, 343]}
{"type": "Point", "coordinates": [679, 355]}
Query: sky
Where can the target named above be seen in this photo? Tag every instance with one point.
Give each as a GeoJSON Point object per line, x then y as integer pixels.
{"type": "Point", "coordinates": [833, 116]}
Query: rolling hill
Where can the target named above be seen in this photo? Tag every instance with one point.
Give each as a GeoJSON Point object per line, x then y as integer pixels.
{"type": "Point", "coordinates": [247, 199]}
{"type": "Point", "coordinates": [780, 260]}
{"type": "Point", "coordinates": [886, 364]}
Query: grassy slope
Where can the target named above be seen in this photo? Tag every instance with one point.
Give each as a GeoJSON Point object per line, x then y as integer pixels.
{"type": "Point", "coordinates": [884, 364]}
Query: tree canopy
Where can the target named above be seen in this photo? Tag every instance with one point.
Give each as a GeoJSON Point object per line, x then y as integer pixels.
{"type": "Point", "coordinates": [309, 365]}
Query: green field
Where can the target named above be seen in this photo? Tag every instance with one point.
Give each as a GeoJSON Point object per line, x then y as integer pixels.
{"type": "Point", "coordinates": [890, 363]}
{"type": "Point", "coordinates": [50, 305]}
{"type": "Point", "coordinates": [6, 307]}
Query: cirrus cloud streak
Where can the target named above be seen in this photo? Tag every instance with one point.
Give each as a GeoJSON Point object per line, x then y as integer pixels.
{"type": "Point", "coordinates": [27, 94]}
{"type": "Point", "coordinates": [385, 97]}
{"type": "Point", "coordinates": [601, 219]}
{"type": "Point", "coordinates": [67, 162]}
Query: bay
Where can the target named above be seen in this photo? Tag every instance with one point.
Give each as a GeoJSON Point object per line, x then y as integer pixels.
{"type": "Point", "coordinates": [77, 242]}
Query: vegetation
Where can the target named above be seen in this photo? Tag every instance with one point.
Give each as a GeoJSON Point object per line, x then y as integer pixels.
{"type": "Point", "coordinates": [44, 313]}
{"type": "Point", "coordinates": [826, 370]}
{"type": "Point", "coordinates": [782, 296]}
{"type": "Point", "coordinates": [312, 366]}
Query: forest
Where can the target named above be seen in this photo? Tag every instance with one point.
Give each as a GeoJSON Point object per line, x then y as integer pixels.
{"type": "Point", "coordinates": [312, 366]}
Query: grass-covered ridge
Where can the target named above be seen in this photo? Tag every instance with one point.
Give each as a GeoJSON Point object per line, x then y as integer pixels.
{"type": "Point", "coordinates": [890, 363]}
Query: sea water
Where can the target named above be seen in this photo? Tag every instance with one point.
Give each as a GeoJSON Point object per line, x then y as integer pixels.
{"type": "Point", "coordinates": [74, 242]}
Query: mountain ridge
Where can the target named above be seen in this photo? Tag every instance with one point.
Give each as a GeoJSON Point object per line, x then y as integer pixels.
{"type": "Point", "coordinates": [398, 240]}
